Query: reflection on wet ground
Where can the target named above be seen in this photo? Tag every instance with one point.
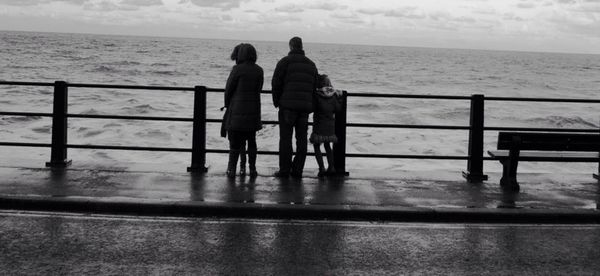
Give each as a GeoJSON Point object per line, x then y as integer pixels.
{"type": "Point", "coordinates": [426, 189]}
{"type": "Point", "coordinates": [52, 244]}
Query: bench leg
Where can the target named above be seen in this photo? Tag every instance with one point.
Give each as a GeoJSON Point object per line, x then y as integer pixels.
{"type": "Point", "coordinates": [509, 176]}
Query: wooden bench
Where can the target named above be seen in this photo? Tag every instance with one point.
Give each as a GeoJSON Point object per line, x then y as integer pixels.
{"type": "Point", "coordinates": [542, 147]}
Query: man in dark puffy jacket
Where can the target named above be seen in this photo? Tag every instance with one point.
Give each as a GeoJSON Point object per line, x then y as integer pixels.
{"type": "Point", "coordinates": [294, 83]}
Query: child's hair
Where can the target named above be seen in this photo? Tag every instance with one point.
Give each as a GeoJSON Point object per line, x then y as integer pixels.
{"type": "Point", "coordinates": [323, 81]}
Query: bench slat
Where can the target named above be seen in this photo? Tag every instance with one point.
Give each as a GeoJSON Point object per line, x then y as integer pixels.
{"type": "Point", "coordinates": [551, 141]}
{"type": "Point", "coordinates": [549, 156]}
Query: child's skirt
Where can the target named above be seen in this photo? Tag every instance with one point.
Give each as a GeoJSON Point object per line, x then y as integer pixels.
{"type": "Point", "coordinates": [320, 139]}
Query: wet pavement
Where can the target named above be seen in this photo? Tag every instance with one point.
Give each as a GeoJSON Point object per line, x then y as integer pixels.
{"type": "Point", "coordinates": [163, 190]}
{"type": "Point", "coordinates": [62, 244]}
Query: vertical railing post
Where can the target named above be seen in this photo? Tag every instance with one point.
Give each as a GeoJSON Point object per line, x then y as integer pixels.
{"type": "Point", "coordinates": [58, 154]}
{"type": "Point", "coordinates": [474, 171]}
{"type": "Point", "coordinates": [339, 148]}
{"type": "Point", "coordinates": [597, 176]}
{"type": "Point", "coordinates": [199, 131]}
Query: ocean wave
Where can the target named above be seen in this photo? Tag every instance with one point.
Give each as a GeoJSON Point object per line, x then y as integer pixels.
{"type": "Point", "coordinates": [561, 121]}
{"type": "Point", "coordinates": [112, 125]}
{"type": "Point", "coordinates": [368, 106]}
{"type": "Point", "coordinates": [92, 133]}
{"type": "Point", "coordinates": [18, 66]}
{"type": "Point", "coordinates": [140, 109]}
{"type": "Point", "coordinates": [20, 119]}
{"type": "Point", "coordinates": [44, 129]}
{"type": "Point", "coordinates": [217, 66]}
{"type": "Point", "coordinates": [160, 64]}
{"type": "Point", "coordinates": [154, 134]}
{"type": "Point", "coordinates": [91, 111]}
{"type": "Point", "coordinates": [103, 69]}
{"type": "Point", "coordinates": [167, 73]}
{"type": "Point", "coordinates": [124, 63]}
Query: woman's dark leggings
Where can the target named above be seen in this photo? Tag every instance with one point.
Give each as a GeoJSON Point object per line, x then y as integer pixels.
{"type": "Point", "coordinates": [237, 142]}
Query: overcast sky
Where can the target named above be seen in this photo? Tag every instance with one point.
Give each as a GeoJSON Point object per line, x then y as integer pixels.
{"type": "Point", "coordinates": [529, 25]}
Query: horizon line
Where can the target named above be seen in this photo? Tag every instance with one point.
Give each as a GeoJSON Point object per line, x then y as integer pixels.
{"type": "Point", "coordinates": [305, 42]}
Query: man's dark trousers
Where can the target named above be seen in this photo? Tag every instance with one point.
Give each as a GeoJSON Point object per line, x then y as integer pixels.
{"type": "Point", "coordinates": [289, 121]}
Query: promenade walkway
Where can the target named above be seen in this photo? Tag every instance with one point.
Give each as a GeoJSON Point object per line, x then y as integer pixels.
{"type": "Point", "coordinates": [158, 190]}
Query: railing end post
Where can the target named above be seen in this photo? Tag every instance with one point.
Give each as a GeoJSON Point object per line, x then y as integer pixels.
{"type": "Point", "coordinates": [59, 164]}
{"type": "Point", "coordinates": [474, 173]}
{"type": "Point", "coordinates": [58, 155]}
{"type": "Point", "coordinates": [474, 178]}
{"type": "Point", "coordinates": [199, 132]}
{"type": "Point", "coordinates": [197, 169]}
{"type": "Point", "coordinates": [339, 148]}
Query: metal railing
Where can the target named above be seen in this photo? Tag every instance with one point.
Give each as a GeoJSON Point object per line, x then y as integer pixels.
{"type": "Point", "coordinates": [476, 127]}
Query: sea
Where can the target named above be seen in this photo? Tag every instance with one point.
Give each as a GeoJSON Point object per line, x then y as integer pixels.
{"type": "Point", "coordinates": [187, 62]}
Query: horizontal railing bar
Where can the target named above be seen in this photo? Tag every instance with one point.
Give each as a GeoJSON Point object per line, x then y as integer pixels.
{"type": "Point", "coordinates": [263, 122]}
{"type": "Point", "coordinates": [260, 152]}
{"type": "Point", "coordinates": [450, 127]}
{"type": "Point", "coordinates": [144, 118]}
{"type": "Point", "coordinates": [369, 95]}
{"type": "Point", "coordinates": [558, 100]}
{"type": "Point", "coordinates": [408, 96]}
{"type": "Point", "coordinates": [26, 83]}
{"type": "Point", "coordinates": [14, 144]}
{"type": "Point", "coordinates": [26, 114]}
{"type": "Point", "coordinates": [122, 86]}
{"type": "Point", "coordinates": [107, 147]}
{"type": "Point", "coordinates": [406, 156]}
{"type": "Point", "coordinates": [366, 125]}
{"type": "Point", "coordinates": [541, 129]}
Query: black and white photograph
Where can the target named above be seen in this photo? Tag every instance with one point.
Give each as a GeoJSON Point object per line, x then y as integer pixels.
{"type": "Point", "coordinates": [280, 137]}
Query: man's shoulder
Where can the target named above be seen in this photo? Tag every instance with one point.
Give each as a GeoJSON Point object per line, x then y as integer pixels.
{"type": "Point", "coordinates": [301, 58]}
{"type": "Point", "coordinates": [310, 61]}
{"type": "Point", "coordinates": [284, 60]}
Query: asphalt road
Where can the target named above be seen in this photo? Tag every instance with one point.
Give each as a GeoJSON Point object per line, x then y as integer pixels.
{"type": "Point", "coordinates": [62, 244]}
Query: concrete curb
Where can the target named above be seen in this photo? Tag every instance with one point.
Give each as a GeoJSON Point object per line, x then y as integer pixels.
{"type": "Point", "coordinates": [306, 212]}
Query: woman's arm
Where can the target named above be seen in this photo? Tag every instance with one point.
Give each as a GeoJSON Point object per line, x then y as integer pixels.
{"type": "Point", "coordinates": [231, 85]}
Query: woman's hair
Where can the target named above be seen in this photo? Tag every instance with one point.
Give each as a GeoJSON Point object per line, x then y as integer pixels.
{"type": "Point", "coordinates": [244, 52]}
{"type": "Point", "coordinates": [235, 51]}
{"type": "Point", "coordinates": [323, 81]}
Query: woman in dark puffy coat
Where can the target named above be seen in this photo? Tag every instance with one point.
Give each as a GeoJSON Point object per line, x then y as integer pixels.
{"type": "Point", "coordinates": [242, 99]}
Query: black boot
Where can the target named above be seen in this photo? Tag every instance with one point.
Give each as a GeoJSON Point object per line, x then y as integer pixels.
{"type": "Point", "coordinates": [243, 163]}
{"type": "Point", "coordinates": [233, 158]}
{"type": "Point", "coordinates": [252, 163]}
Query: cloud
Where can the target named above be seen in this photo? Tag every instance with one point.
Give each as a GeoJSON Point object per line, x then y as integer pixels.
{"type": "Point", "coordinates": [345, 17]}
{"type": "Point", "coordinates": [290, 8]}
{"type": "Point", "coordinates": [566, 1]}
{"type": "Point", "coordinates": [409, 12]}
{"type": "Point", "coordinates": [327, 6]}
{"type": "Point", "coordinates": [405, 12]}
{"type": "Point", "coordinates": [370, 11]}
{"type": "Point", "coordinates": [275, 19]}
{"type": "Point", "coordinates": [37, 2]}
{"type": "Point", "coordinates": [142, 2]}
{"type": "Point", "coordinates": [221, 4]}
{"type": "Point", "coordinates": [526, 5]}
{"type": "Point", "coordinates": [124, 5]}
{"type": "Point", "coordinates": [512, 17]}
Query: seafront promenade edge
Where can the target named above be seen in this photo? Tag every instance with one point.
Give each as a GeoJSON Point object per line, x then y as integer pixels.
{"type": "Point", "coordinates": [401, 196]}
